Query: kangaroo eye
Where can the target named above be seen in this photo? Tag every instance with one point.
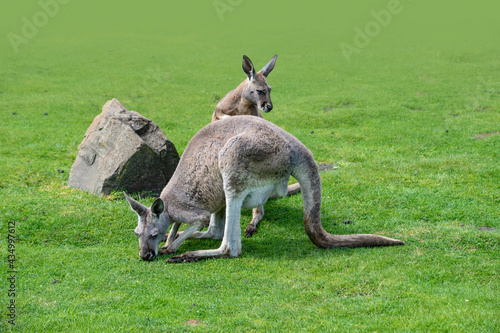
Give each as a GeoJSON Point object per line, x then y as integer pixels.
{"type": "Point", "coordinates": [261, 92]}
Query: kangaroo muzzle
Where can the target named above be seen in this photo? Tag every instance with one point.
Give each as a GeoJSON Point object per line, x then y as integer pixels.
{"type": "Point", "coordinates": [266, 107]}
{"type": "Point", "coordinates": [148, 256]}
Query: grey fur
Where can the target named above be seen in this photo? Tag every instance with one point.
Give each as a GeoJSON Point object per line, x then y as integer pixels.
{"type": "Point", "coordinates": [246, 100]}
{"type": "Point", "coordinates": [228, 165]}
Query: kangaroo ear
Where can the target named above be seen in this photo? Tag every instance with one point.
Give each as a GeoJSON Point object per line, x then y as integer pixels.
{"type": "Point", "coordinates": [269, 67]}
{"type": "Point", "coordinates": [154, 232]}
{"type": "Point", "coordinates": [136, 206]}
{"type": "Point", "coordinates": [248, 68]}
{"type": "Point", "coordinates": [157, 207]}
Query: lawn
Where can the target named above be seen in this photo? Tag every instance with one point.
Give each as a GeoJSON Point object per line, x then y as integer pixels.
{"type": "Point", "coordinates": [402, 98]}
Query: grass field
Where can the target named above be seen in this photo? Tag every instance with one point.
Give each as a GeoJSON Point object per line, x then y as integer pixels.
{"type": "Point", "coordinates": [402, 97]}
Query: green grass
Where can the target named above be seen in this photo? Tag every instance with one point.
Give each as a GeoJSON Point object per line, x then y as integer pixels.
{"type": "Point", "coordinates": [399, 119]}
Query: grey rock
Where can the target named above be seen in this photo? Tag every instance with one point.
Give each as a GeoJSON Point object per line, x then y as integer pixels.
{"type": "Point", "coordinates": [122, 150]}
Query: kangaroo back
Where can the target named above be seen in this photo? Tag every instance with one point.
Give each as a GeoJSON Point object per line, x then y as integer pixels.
{"type": "Point", "coordinates": [237, 163]}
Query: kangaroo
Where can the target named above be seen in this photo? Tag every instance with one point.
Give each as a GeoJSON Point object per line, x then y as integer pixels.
{"type": "Point", "coordinates": [228, 165]}
{"type": "Point", "coordinates": [252, 95]}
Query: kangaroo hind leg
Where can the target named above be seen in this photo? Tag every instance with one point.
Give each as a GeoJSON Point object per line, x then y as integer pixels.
{"type": "Point", "coordinates": [257, 215]}
{"type": "Point", "coordinates": [279, 189]}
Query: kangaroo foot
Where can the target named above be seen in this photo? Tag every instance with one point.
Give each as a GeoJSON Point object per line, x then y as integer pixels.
{"type": "Point", "coordinates": [202, 254]}
{"type": "Point", "coordinates": [250, 230]}
{"type": "Point", "coordinates": [186, 257]}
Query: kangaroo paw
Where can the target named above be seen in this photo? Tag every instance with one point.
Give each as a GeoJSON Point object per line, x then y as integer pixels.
{"type": "Point", "coordinates": [250, 230]}
{"type": "Point", "coordinates": [165, 250]}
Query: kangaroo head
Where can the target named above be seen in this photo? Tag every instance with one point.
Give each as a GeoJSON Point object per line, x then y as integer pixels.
{"type": "Point", "coordinates": [257, 91]}
{"type": "Point", "coordinates": [151, 228]}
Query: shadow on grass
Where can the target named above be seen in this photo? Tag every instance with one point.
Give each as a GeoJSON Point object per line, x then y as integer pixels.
{"type": "Point", "coordinates": [280, 236]}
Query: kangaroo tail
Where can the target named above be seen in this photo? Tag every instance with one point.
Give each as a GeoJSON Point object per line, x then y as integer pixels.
{"type": "Point", "coordinates": [308, 176]}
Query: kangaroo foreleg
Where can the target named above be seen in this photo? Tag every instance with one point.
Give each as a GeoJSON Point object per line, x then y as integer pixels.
{"type": "Point", "coordinates": [172, 247]}
{"type": "Point", "coordinates": [172, 234]}
{"type": "Point", "coordinates": [231, 242]}
{"type": "Point", "coordinates": [215, 228]}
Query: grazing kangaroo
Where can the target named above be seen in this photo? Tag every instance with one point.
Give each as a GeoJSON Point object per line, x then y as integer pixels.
{"type": "Point", "coordinates": [252, 95]}
{"type": "Point", "coordinates": [228, 165]}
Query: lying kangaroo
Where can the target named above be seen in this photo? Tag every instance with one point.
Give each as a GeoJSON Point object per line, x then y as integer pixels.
{"type": "Point", "coordinates": [228, 165]}
{"type": "Point", "coordinates": [252, 95]}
